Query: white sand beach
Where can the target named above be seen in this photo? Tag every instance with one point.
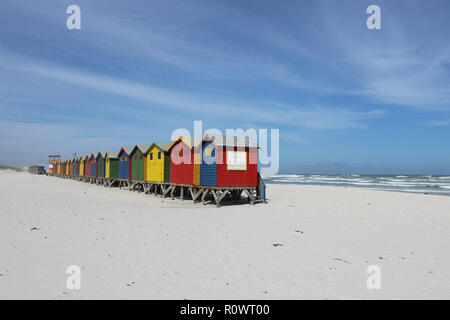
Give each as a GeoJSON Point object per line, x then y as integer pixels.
{"type": "Point", "coordinates": [135, 246]}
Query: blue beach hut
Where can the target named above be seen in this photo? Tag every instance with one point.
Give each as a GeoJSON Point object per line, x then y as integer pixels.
{"type": "Point", "coordinates": [74, 167]}
{"type": "Point", "coordinates": [125, 163]}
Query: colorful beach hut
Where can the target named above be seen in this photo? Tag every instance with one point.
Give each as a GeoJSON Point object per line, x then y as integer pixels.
{"type": "Point", "coordinates": [137, 157]}
{"type": "Point", "coordinates": [157, 163]}
{"type": "Point", "coordinates": [75, 167]}
{"type": "Point", "coordinates": [112, 165]}
{"type": "Point", "coordinates": [81, 167]}
{"type": "Point", "coordinates": [183, 170]}
{"type": "Point", "coordinates": [67, 167]}
{"type": "Point", "coordinates": [125, 163]}
{"type": "Point", "coordinates": [93, 166]}
{"type": "Point", "coordinates": [70, 167]}
{"type": "Point", "coordinates": [228, 161]}
{"type": "Point", "coordinates": [87, 166]}
{"type": "Point", "coordinates": [101, 164]}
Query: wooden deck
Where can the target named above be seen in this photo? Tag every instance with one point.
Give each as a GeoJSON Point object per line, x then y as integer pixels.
{"type": "Point", "coordinates": [203, 194]}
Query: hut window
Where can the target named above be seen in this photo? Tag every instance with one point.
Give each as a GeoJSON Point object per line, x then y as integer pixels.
{"type": "Point", "coordinates": [151, 156]}
{"type": "Point", "coordinates": [140, 158]}
{"type": "Point", "coordinates": [237, 160]}
{"type": "Point", "coordinates": [208, 152]}
{"type": "Point", "coordinates": [126, 158]}
{"type": "Point", "coordinates": [159, 155]}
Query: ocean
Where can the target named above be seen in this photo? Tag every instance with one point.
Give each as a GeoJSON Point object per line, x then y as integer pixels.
{"type": "Point", "coordinates": [429, 184]}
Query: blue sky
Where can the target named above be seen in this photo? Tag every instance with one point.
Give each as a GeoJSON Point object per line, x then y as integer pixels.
{"type": "Point", "coordinates": [373, 100]}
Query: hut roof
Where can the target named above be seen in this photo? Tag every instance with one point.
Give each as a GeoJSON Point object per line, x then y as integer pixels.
{"type": "Point", "coordinates": [112, 155]}
{"type": "Point", "coordinates": [127, 150]}
{"type": "Point", "coordinates": [190, 141]}
{"type": "Point", "coordinates": [101, 154]}
{"type": "Point", "coordinates": [161, 146]}
{"type": "Point", "coordinates": [142, 147]}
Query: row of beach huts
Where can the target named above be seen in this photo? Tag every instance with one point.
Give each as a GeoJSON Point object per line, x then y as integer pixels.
{"type": "Point", "coordinates": [208, 169]}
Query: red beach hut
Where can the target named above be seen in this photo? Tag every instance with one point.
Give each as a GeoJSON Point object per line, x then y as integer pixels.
{"type": "Point", "coordinates": [183, 170]}
{"type": "Point", "coordinates": [87, 166]}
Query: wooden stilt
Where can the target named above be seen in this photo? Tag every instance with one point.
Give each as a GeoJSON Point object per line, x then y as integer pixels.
{"type": "Point", "coordinates": [172, 193]}
{"type": "Point", "coordinates": [205, 193]}
{"type": "Point", "coordinates": [169, 188]}
{"type": "Point", "coordinates": [214, 193]}
{"type": "Point", "coordinates": [219, 198]}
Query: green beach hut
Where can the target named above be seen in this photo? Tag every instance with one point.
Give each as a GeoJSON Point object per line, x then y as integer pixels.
{"type": "Point", "coordinates": [137, 157]}
{"type": "Point", "coordinates": [112, 165]}
{"type": "Point", "coordinates": [101, 164]}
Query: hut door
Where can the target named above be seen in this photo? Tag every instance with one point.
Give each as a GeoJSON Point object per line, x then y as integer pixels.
{"type": "Point", "coordinates": [156, 168]}
{"type": "Point", "coordinates": [208, 166]}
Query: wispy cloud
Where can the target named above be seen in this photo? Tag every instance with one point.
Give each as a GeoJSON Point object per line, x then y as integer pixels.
{"type": "Point", "coordinates": [311, 117]}
{"type": "Point", "coordinates": [207, 55]}
{"type": "Point", "coordinates": [404, 78]}
{"type": "Point", "coordinates": [397, 65]}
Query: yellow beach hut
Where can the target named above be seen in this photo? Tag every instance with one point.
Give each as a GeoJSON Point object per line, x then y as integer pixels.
{"type": "Point", "coordinates": [81, 165]}
{"type": "Point", "coordinates": [67, 168]}
{"type": "Point", "coordinates": [157, 163]}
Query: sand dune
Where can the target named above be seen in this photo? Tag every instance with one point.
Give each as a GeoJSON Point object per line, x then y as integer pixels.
{"type": "Point", "coordinates": [307, 242]}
